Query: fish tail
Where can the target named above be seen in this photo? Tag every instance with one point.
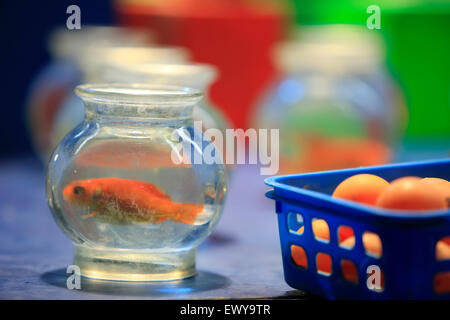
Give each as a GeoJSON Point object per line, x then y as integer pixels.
{"type": "Point", "coordinates": [187, 212]}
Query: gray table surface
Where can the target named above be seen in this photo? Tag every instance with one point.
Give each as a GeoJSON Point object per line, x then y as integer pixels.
{"type": "Point", "coordinates": [241, 259]}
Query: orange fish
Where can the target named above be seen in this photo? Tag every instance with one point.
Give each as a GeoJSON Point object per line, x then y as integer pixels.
{"type": "Point", "coordinates": [124, 200]}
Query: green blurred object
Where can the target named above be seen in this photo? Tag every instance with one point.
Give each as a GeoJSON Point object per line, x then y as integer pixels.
{"type": "Point", "coordinates": [330, 11]}
{"type": "Point", "coordinates": [417, 35]}
{"type": "Point", "coordinates": [418, 56]}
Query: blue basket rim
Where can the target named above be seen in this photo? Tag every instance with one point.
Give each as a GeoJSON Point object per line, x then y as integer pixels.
{"type": "Point", "coordinates": [276, 183]}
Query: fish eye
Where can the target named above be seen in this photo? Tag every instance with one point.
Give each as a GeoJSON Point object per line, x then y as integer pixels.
{"type": "Point", "coordinates": [78, 190]}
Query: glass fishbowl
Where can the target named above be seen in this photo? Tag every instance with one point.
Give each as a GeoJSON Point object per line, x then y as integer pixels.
{"type": "Point", "coordinates": [58, 78]}
{"type": "Point", "coordinates": [334, 104]}
{"type": "Point", "coordinates": [89, 62]}
{"type": "Point", "coordinates": [130, 187]}
{"type": "Point", "coordinates": [75, 55]}
{"type": "Point", "coordinates": [194, 75]}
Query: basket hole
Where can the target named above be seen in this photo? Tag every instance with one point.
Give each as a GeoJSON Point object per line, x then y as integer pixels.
{"type": "Point", "coordinates": [443, 248]}
{"type": "Point", "coordinates": [296, 223]}
{"type": "Point", "coordinates": [324, 264]}
{"type": "Point", "coordinates": [349, 271]}
{"type": "Point", "coordinates": [346, 237]}
{"type": "Point", "coordinates": [442, 282]}
{"type": "Point", "coordinates": [321, 230]}
{"type": "Point", "coordinates": [372, 244]}
{"type": "Point", "coordinates": [375, 278]}
{"type": "Point", "coordinates": [299, 256]}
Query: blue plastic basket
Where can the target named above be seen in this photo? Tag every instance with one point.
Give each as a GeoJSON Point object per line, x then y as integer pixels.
{"type": "Point", "coordinates": [408, 259]}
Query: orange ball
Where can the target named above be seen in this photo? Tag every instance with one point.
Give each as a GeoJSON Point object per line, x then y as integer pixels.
{"type": "Point", "coordinates": [371, 242]}
{"type": "Point", "coordinates": [442, 282]}
{"type": "Point", "coordinates": [438, 182]}
{"type": "Point", "coordinates": [344, 233]}
{"type": "Point", "coordinates": [442, 250]}
{"type": "Point", "coordinates": [441, 184]}
{"type": "Point", "coordinates": [299, 256]}
{"type": "Point", "coordinates": [324, 263]}
{"type": "Point", "coordinates": [363, 188]}
{"type": "Point", "coordinates": [409, 193]}
{"type": "Point", "coordinates": [349, 271]}
{"type": "Point", "coordinates": [320, 229]}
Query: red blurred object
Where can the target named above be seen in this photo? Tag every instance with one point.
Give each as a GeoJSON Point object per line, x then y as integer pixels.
{"type": "Point", "coordinates": [236, 36]}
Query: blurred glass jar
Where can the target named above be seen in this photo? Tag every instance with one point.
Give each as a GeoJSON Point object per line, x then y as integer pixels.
{"type": "Point", "coordinates": [335, 105]}
{"type": "Point", "coordinates": [196, 75]}
{"type": "Point", "coordinates": [56, 81]}
{"type": "Point", "coordinates": [89, 61]}
{"type": "Point", "coordinates": [115, 188]}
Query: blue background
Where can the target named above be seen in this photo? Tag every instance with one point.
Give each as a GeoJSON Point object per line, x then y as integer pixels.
{"type": "Point", "coordinates": [24, 27]}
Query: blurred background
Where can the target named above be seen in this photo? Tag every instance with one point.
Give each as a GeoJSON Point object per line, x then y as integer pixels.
{"type": "Point", "coordinates": [342, 95]}
{"type": "Point", "coordinates": [385, 90]}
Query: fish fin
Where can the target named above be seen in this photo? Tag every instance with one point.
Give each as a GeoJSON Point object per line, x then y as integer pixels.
{"type": "Point", "coordinates": [90, 215]}
{"type": "Point", "coordinates": [161, 219]}
{"type": "Point", "coordinates": [187, 212]}
{"type": "Point", "coordinates": [154, 190]}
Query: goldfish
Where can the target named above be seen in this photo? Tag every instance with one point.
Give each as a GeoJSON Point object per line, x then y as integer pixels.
{"type": "Point", "coordinates": [124, 200]}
